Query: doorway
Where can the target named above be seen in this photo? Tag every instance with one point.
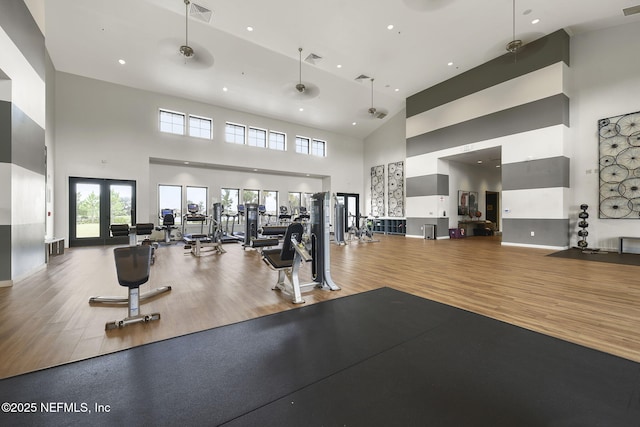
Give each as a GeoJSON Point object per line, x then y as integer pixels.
{"type": "Point", "coordinates": [95, 204]}
{"type": "Point", "coordinates": [351, 203]}
{"type": "Point", "coordinates": [493, 207]}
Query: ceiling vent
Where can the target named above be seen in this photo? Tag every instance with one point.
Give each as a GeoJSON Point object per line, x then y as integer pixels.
{"type": "Point", "coordinates": [362, 77]}
{"type": "Point", "coordinates": [200, 13]}
{"type": "Point", "coordinates": [381, 115]}
{"type": "Point", "coordinates": [631, 10]}
{"type": "Point", "coordinates": [312, 58]}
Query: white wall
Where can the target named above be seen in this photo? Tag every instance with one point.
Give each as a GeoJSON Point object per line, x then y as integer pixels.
{"type": "Point", "coordinates": [104, 130]}
{"type": "Point", "coordinates": [386, 145]}
{"type": "Point", "coordinates": [605, 82]}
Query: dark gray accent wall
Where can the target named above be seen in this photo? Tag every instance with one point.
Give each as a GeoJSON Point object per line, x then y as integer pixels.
{"type": "Point", "coordinates": [17, 22]}
{"type": "Point", "coordinates": [428, 185]}
{"type": "Point", "coordinates": [27, 144]}
{"type": "Point", "coordinates": [5, 252]}
{"type": "Point", "coordinates": [546, 112]}
{"type": "Point", "coordinates": [548, 232]}
{"type": "Point", "coordinates": [542, 173]}
{"type": "Point", "coordinates": [414, 226]}
{"type": "Point", "coordinates": [5, 132]}
{"type": "Point", "coordinates": [538, 54]}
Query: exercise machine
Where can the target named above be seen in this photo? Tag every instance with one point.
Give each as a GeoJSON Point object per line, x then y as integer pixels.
{"type": "Point", "coordinates": [196, 242]}
{"type": "Point", "coordinates": [287, 260]}
{"type": "Point", "coordinates": [132, 268]}
{"type": "Point", "coordinates": [338, 219]}
{"type": "Point", "coordinates": [168, 218]}
{"type": "Point", "coordinates": [250, 223]}
{"type": "Point", "coordinates": [362, 232]}
{"type": "Point", "coordinates": [284, 218]}
{"type": "Point", "coordinates": [141, 229]}
{"type": "Point", "coordinates": [226, 236]}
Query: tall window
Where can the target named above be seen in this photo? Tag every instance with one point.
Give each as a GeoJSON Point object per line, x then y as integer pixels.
{"type": "Point", "coordinates": [170, 197]}
{"type": "Point", "coordinates": [302, 145]}
{"type": "Point", "coordinates": [250, 196]}
{"type": "Point", "coordinates": [229, 197]}
{"type": "Point", "coordinates": [198, 196]}
{"type": "Point", "coordinates": [277, 141]}
{"type": "Point", "coordinates": [318, 148]}
{"type": "Point", "coordinates": [172, 122]}
{"type": "Point", "coordinates": [257, 137]}
{"type": "Point", "coordinates": [294, 203]}
{"type": "Point", "coordinates": [200, 127]}
{"type": "Point", "coordinates": [270, 201]}
{"type": "Point", "coordinates": [306, 200]}
{"type": "Point", "coordinates": [234, 133]}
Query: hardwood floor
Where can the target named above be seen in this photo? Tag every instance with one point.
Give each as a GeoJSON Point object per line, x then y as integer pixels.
{"type": "Point", "coordinates": [46, 320]}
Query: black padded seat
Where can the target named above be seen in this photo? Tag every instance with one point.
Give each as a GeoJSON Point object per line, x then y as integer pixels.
{"type": "Point", "coordinates": [133, 265]}
{"type": "Point", "coordinates": [144, 228]}
{"type": "Point", "coordinates": [274, 230]}
{"type": "Point", "coordinates": [283, 258]}
{"type": "Point", "coordinates": [118, 230]}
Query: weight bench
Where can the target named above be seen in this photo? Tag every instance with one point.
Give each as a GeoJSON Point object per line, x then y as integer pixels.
{"type": "Point", "coordinates": [286, 261]}
{"type": "Point", "coordinates": [140, 229]}
{"type": "Point", "coordinates": [132, 266]}
{"type": "Point", "coordinates": [196, 242]}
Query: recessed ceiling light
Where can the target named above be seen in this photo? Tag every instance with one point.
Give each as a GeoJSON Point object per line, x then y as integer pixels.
{"type": "Point", "coordinates": [186, 163]}
{"type": "Point", "coordinates": [479, 161]}
{"type": "Point", "coordinates": [535, 21]}
{"type": "Point", "coordinates": [397, 90]}
{"type": "Point", "coordinates": [249, 28]}
{"type": "Point", "coordinates": [300, 109]}
{"type": "Point", "coordinates": [224, 89]}
{"type": "Point", "coordinates": [339, 66]}
{"type": "Point", "coordinates": [255, 170]}
{"type": "Point", "coordinates": [497, 166]}
{"type": "Point", "coordinates": [390, 27]}
{"type": "Point", "coordinates": [353, 123]}
{"type": "Point", "coordinates": [122, 61]}
{"type": "Point", "coordinates": [450, 64]}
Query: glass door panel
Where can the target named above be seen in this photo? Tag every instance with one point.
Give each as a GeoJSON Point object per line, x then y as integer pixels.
{"type": "Point", "coordinates": [120, 208]}
{"type": "Point", "coordinates": [95, 204]}
{"type": "Point", "coordinates": [87, 210]}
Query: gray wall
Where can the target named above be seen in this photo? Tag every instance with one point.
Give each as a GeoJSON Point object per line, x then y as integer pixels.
{"type": "Point", "coordinates": [22, 142]}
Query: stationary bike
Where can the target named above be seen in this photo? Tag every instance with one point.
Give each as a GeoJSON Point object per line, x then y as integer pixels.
{"type": "Point", "coordinates": [363, 232]}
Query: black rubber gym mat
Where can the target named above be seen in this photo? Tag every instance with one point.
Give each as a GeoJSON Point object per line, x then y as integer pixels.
{"type": "Point", "coordinates": [374, 359]}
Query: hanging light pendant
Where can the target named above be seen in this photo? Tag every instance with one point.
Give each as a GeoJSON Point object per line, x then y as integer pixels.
{"type": "Point", "coordinates": [300, 87]}
{"type": "Point", "coordinates": [372, 110]}
{"type": "Point", "coordinates": [514, 45]}
{"type": "Point", "coordinates": [186, 50]}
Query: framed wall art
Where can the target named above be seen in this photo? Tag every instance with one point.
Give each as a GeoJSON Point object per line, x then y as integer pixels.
{"type": "Point", "coordinates": [396, 189]}
{"type": "Point", "coordinates": [619, 155]}
{"type": "Point", "coordinates": [377, 190]}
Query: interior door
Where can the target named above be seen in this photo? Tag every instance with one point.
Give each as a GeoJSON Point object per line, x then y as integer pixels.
{"type": "Point", "coordinates": [493, 208]}
{"type": "Point", "coordinates": [95, 204]}
{"type": "Point", "coordinates": [352, 209]}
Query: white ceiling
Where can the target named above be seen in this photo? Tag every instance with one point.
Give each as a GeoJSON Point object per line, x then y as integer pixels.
{"type": "Point", "coordinates": [260, 68]}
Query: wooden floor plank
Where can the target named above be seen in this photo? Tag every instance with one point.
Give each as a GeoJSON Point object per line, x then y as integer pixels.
{"type": "Point", "coordinates": [46, 319]}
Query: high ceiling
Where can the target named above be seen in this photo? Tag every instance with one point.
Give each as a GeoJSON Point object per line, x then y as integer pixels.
{"type": "Point", "coordinates": [261, 68]}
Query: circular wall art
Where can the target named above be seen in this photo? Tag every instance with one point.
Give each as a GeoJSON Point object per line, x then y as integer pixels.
{"type": "Point", "coordinates": [619, 153]}
{"type": "Point", "coordinates": [395, 182]}
{"type": "Point", "coordinates": [377, 190]}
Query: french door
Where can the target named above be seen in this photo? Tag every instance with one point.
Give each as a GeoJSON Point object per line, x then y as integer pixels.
{"type": "Point", "coordinates": [352, 209]}
{"type": "Point", "coordinates": [95, 204]}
